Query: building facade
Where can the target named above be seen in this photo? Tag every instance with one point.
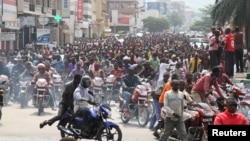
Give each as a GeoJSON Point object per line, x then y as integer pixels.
{"type": "Point", "coordinates": [127, 14]}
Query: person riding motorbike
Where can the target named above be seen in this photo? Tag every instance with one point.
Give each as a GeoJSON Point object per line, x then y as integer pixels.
{"type": "Point", "coordinates": [82, 98]}
{"type": "Point", "coordinates": [17, 69]}
{"type": "Point", "coordinates": [3, 69]}
{"type": "Point", "coordinates": [67, 100]}
{"type": "Point", "coordinates": [98, 72]}
{"type": "Point", "coordinates": [129, 82]}
{"type": "Point", "coordinates": [126, 64]}
{"type": "Point", "coordinates": [42, 73]}
{"type": "Point", "coordinates": [30, 70]}
{"type": "Point", "coordinates": [204, 84]}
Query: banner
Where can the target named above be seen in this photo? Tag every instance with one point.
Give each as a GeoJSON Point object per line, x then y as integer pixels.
{"type": "Point", "coordinates": [114, 17]}
{"type": "Point", "coordinates": [9, 10]}
{"type": "Point", "coordinates": [65, 8]}
{"type": "Point", "coordinates": [79, 10]}
{"type": "Point", "coordinates": [43, 36]}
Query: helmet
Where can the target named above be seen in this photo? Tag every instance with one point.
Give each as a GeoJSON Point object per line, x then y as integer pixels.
{"type": "Point", "coordinates": [85, 81]}
{"type": "Point", "coordinates": [40, 66]}
{"type": "Point", "coordinates": [126, 58]}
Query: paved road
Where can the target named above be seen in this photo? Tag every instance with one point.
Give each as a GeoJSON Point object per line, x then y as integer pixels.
{"type": "Point", "coordinates": [23, 125]}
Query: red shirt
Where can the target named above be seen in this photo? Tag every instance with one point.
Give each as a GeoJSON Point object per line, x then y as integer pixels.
{"type": "Point", "coordinates": [229, 41]}
{"type": "Point", "coordinates": [117, 72]}
{"type": "Point", "coordinates": [227, 118]}
{"type": "Point", "coordinates": [203, 84]}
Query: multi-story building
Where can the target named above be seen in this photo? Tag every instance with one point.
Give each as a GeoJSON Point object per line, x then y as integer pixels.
{"type": "Point", "coordinates": [9, 24]}
{"type": "Point", "coordinates": [127, 11]}
{"type": "Point", "coordinates": [29, 11]}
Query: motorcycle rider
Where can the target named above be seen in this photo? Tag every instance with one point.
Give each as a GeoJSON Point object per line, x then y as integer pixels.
{"type": "Point", "coordinates": [30, 70]}
{"type": "Point", "coordinates": [129, 82]}
{"type": "Point", "coordinates": [231, 116]}
{"type": "Point", "coordinates": [17, 69]}
{"type": "Point", "coordinates": [3, 69]}
{"type": "Point", "coordinates": [203, 85]}
{"type": "Point", "coordinates": [42, 73]}
{"type": "Point", "coordinates": [67, 100]}
{"type": "Point", "coordinates": [82, 99]}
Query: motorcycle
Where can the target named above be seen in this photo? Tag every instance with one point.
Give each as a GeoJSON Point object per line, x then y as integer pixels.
{"type": "Point", "coordinates": [41, 96]}
{"type": "Point", "coordinates": [57, 87]}
{"type": "Point", "coordinates": [24, 83]}
{"type": "Point", "coordinates": [138, 107]}
{"type": "Point", "coordinates": [97, 88]}
{"type": "Point", "coordinates": [3, 82]}
{"type": "Point", "coordinates": [5, 87]}
{"type": "Point", "coordinates": [98, 126]}
{"type": "Point", "coordinates": [196, 125]}
{"type": "Point", "coordinates": [113, 85]}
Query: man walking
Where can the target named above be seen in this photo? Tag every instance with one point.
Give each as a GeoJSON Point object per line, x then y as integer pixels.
{"type": "Point", "coordinates": [239, 49]}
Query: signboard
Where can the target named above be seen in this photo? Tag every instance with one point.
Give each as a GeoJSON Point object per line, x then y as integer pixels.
{"type": "Point", "coordinates": [27, 21]}
{"type": "Point", "coordinates": [160, 6]}
{"type": "Point", "coordinates": [65, 8]}
{"type": "Point", "coordinates": [79, 10]}
{"type": "Point", "coordinates": [8, 36]}
{"type": "Point", "coordinates": [9, 10]}
{"type": "Point", "coordinates": [43, 19]}
{"type": "Point", "coordinates": [114, 16]}
{"type": "Point", "coordinates": [43, 36]}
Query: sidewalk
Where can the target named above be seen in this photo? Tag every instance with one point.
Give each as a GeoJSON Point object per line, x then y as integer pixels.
{"type": "Point", "coordinates": [239, 76]}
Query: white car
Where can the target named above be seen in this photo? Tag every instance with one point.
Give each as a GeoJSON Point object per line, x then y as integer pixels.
{"type": "Point", "coordinates": [199, 42]}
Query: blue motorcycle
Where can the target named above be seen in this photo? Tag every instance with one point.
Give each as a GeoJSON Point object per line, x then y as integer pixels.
{"type": "Point", "coordinates": [98, 127]}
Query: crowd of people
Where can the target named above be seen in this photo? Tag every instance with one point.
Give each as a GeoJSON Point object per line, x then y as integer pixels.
{"type": "Point", "coordinates": [174, 67]}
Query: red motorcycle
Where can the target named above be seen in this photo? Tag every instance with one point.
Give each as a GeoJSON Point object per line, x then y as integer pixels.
{"type": "Point", "coordinates": [41, 97]}
{"type": "Point", "coordinates": [138, 107]}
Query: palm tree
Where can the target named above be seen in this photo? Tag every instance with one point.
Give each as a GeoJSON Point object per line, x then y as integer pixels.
{"type": "Point", "coordinates": [236, 12]}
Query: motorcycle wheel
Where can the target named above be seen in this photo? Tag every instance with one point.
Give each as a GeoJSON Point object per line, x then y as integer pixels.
{"type": "Point", "coordinates": [125, 118]}
{"type": "Point", "coordinates": [40, 106]}
{"type": "Point", "coordinates": [151, 109]}
{"type": "Point", "coordinates": [113, 133]}
{"type": "Point", "coordinates": [142, 116]}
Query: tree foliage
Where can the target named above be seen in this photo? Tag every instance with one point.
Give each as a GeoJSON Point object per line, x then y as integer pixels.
{"type": "Point", "coordinates": [175, 19]}
{"type": "Point", "coordinates": [155, 24]}
{"type": "Point", "coordinates": [206, 21]}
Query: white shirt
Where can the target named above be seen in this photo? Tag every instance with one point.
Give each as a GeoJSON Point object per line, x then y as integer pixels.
{"type": "Point", "coordinates": [79, 94]}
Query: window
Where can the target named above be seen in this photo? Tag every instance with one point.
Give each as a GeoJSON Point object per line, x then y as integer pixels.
{"type": "Point", "coordinates": [87, 1]}
{"type": "Point", "coordinates": [38, 2]}
{"type": "Point", "coordinates": [32, 1]}
{"type": "Point", "coordinates": [48, 3]}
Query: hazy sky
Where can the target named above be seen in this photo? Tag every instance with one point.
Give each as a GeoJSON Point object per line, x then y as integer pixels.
{"type": "Point", "coordinates": [194, 4]}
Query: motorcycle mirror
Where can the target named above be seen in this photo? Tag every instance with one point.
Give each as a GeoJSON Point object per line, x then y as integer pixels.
{"type": "Point", "coordinates": [90, 92]}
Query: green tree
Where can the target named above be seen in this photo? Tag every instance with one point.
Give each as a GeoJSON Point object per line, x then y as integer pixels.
{"type": "Point", "coordinates": [236, 12]}
{"type": "Point", "coordinates": [206, 21]}
{"type": "Point", "coordinates": [175, 19]}
{"type": "Point", "coordinates": [155, 24]}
